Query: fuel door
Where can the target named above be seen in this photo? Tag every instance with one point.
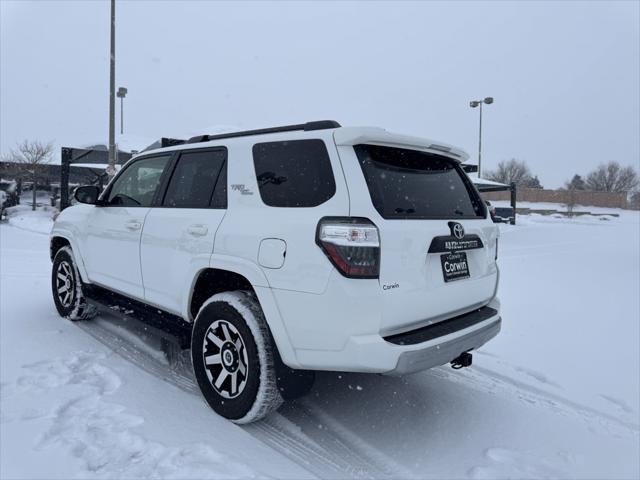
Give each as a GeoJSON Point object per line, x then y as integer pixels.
{"type": "Point", "coordinates": [272, 252]}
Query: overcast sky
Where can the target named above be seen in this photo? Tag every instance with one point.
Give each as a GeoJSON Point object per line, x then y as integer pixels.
{"type": "Point", "coordinates": [565, 76]}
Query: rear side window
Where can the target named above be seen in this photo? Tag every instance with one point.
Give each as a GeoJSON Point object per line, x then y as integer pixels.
{"type": "Point", "coordinates": [410, 184]}
{"type": "Point", "coordinates": [294, 174]}
{"type": "Point", "coordinates": [195, 179]}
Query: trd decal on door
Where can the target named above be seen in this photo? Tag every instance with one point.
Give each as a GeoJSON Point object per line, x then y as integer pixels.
{"type": "Point", "coordinates": [239, 187]}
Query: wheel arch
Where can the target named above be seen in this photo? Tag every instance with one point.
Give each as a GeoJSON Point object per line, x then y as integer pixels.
{"type": "Point", "coordinates": [223, 276]}
{"type": "Point", "coordinates": [60, 239]}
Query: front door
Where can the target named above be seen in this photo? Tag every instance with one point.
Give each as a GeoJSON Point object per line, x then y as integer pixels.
{"type": "Point", "coordinates": [112, 243]}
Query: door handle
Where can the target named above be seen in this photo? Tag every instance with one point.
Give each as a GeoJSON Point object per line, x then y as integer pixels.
{"type": "Point", "coordinates": [197, 230]}
{"type": "Point", "coordinates": [133, 225]}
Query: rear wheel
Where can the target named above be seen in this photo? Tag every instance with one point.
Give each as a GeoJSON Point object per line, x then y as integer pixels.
{"type": "Point", "coordinates": [232, 358]}
{"type": "Point", "coordinates": [66, 286]}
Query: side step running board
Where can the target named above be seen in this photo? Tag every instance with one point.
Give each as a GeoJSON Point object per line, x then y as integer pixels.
{"type": "Point", "coordinates": [164, 324]}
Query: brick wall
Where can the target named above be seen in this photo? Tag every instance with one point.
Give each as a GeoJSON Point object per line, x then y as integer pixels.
{"type": "Point", "coordinates": [594, 199]}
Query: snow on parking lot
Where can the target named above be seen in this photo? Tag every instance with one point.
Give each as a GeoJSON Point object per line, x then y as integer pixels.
{"type": "Point", "coordinates": [556, 394]}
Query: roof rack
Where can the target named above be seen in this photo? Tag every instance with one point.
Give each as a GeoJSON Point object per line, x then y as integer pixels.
{"type": "Point", "coordinates": [307, 127]}
{"type": "Point", "coordinates": [170, 142]}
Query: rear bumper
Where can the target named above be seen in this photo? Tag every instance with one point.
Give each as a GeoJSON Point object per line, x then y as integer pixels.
{"type": "Point", "coordinates": [442, 353]}
{"type": "Point", "coordinates": [417, 351]}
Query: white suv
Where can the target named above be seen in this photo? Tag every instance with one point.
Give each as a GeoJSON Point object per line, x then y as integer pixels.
{"type": "Point", "coordinates": [274, 253]}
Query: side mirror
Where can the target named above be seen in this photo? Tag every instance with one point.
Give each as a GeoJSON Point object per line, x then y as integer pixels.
{"type": "Point", "coordinates": [88, 194]}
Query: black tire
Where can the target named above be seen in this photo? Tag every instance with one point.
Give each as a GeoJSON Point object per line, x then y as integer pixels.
{"type": "Point", "coordinates": [66, 287]}
{"type": "Point", "coordinates": [233, 360]}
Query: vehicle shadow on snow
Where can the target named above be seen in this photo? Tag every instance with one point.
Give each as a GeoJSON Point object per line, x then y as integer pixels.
{"type": "Point", "coordinates": [400, 417]}
{"type": "Point", "coordinates": [414, 423]}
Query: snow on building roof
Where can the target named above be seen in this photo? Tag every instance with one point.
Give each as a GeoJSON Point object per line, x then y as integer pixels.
{"type": "Point", "coordinates": [96, 166]}
{"type": "Point", "coordinates": [483, 181]}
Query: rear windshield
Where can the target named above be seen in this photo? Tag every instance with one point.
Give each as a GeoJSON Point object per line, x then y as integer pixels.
{"type": "Point", "coordinates": [407, 184]}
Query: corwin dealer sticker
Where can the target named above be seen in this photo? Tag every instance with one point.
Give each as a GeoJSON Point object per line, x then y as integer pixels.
{"type": "Point", "coordinates": [454, 266]}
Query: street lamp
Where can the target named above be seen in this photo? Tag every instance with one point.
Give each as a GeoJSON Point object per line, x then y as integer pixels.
{"type": "Point", "coordinates": [111, 168]}
{"type": "Point", "coordinates": [121, 93]}
{"type": "Point", "coordinates": [474, 104]}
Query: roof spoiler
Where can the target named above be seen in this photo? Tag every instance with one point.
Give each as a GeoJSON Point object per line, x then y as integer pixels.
{"type": "Point", "coordinates": [357, 135]}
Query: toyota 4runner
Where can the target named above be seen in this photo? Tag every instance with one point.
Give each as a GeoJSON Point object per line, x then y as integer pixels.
{"type": "Point", "coordinates": [275, 253]}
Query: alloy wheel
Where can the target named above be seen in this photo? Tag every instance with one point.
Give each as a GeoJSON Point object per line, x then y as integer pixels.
{"type": "Point", "coordinates": [65, 284]}
{"type": "Point", "coordinates": [225, 359]}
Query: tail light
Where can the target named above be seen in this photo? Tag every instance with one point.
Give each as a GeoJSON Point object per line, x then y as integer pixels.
{"type": "Point", "coordinates": [352, 245]}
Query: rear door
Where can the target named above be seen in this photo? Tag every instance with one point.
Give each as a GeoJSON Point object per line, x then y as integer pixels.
{"type": "Point", "coordinates": [179, 233]}
{"type": "Point", "coordinates": [279, 189]}
{"type": "Point", "coordinates": [298, 186]}
{"type": "Point", "coordinates": [416, 199]}
{"type": "Point", "coordinates": [112, 242]}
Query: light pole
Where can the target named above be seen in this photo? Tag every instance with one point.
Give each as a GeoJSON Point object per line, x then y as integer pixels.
{"type": "Point", "coordinates": [111, 168]}
{"type": "Point", "coordinates": [121, 93]}
{"type": "Point", "coordinates": [474, 104]}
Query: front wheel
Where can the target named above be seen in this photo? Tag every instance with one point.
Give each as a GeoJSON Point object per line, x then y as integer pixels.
{"type": "Point", "coordinates": [232, 358]}
{"type": "Point", "coordinates": [66, 286]}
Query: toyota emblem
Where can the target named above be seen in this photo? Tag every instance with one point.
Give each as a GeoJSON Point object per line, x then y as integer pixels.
{"type": "Point", "coordinates": [457, 230]}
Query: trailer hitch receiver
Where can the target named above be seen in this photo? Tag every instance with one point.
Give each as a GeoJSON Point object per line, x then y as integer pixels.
{"type": "Point", "coordinates": [464, 360]}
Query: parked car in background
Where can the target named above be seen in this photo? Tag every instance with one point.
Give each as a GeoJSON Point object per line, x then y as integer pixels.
{"type": "Point", "coordinates": [504, 215]}
{"type": "Point", "coordinates": [10, 191]}
{"type": "Point", "coordinates": [3, 198]}
{"type": "Point", "coordinates": [492, 211]}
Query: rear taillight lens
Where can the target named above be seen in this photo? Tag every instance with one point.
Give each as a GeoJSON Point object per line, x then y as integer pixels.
{"type": "Point", "coordinates": [352, 245]}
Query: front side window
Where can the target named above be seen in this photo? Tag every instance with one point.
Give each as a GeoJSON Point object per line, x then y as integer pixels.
{"type": "Point", "coordinates": [410, 184]}
{"type": "Point", "coordinates": [194, 180]}
{"type": "Point", "coordinates": [137, 185]}
{"type": "Point", "coordinates": [295, 173]}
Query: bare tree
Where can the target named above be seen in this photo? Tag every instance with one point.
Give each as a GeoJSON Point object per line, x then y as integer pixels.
{"type": "Point", "coordinates": [612, 178]}
{"type": "Point", "coordinates": [513, 171]}
{"type": "Point", "coordinates": [31, 155]}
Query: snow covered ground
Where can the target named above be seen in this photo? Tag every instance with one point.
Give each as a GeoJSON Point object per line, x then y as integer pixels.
{"type": "Point", "coordinates": [556, 394]}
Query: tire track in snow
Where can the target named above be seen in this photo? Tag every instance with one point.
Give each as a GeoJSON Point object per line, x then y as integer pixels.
{"type": "Point", "coordinates": [297, 431]}
{"type": "Point", "coordinates": [490, 381]}
{"type": "Point", "coordinates": [313, 439]}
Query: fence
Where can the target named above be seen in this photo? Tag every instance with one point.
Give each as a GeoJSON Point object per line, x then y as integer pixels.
{"type": "Point", "coordinates": [580, 197]}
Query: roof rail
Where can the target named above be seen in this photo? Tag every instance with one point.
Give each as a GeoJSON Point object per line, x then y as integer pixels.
{"type": "Point", "coordinates": [170, 142]}
{"type": "Point", "coordinates": [307, 127]}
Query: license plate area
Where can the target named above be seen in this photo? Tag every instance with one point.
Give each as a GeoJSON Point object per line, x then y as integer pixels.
{"type": "Point", "coordinates": [454, 266]}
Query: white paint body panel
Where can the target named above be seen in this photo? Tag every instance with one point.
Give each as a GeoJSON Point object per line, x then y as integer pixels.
{"type": "Point", "coordinates": [112, 248]}
{"type": "Point", "coordinates": [422, 293]}
{"type": "Point", "coordinates": [176, 244]}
